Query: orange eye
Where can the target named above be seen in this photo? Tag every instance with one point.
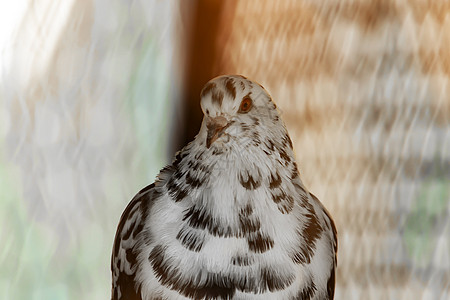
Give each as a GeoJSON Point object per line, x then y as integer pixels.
{"type": "Point", "coordinates": [246, 104]}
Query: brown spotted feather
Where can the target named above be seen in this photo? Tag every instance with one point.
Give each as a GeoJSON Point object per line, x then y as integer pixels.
{"type": "Point", "coordinates": [230, 218]}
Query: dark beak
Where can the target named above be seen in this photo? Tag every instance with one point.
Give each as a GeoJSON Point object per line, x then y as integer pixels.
{"type": "Point", "coordinates": [215, 127]}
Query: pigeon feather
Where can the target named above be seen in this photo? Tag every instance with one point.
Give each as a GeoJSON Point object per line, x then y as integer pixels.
{"type": "Point", "coordinates": [230, 218]}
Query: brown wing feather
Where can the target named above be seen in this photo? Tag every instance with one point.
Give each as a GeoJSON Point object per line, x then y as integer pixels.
{"type": "Point", "coordinates": [125, 287]}
{"type": "Point", "coordinates": [332, 279]}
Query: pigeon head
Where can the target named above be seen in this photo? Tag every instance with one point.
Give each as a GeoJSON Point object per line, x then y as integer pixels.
{"type": "Point", "coordinates": [235, 108]}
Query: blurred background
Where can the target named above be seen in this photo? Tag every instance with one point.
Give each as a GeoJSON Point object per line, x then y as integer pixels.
{"type": "Point", "coordinates": [97, 95]}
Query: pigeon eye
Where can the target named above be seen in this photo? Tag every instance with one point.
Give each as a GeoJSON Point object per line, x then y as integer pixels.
{"type": "Point", "coordinates": [246, 104]}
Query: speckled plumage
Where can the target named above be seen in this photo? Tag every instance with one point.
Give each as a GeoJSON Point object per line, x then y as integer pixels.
{"type": "Point", "coordinates": [230, 217]}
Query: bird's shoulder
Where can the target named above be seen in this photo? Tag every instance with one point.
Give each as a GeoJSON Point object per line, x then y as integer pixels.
{"type": "Point", "coordinates": [328, 220]}
{"type": "Point", "coordinates": [129, 231]}
{"type": "Point", "coordinates": [134, 213]}
{"type": "Point", "coordinates": [330, 227]}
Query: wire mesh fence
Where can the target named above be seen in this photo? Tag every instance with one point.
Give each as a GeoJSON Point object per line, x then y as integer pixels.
{"type": "Point", "coordinates": [364, 89]}
{"type": "Point", "coordinates": [85, 114]}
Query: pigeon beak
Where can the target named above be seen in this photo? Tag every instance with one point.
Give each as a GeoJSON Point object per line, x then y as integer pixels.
{"type": "Point", "coordinates": [215, 127]}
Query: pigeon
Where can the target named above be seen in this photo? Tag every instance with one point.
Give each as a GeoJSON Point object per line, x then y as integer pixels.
{"type": "Point", "coordinates": [230, 218]}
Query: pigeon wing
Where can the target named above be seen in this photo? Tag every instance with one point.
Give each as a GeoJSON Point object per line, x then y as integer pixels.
{"type": "Point", "coordinates": [124, 256]}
